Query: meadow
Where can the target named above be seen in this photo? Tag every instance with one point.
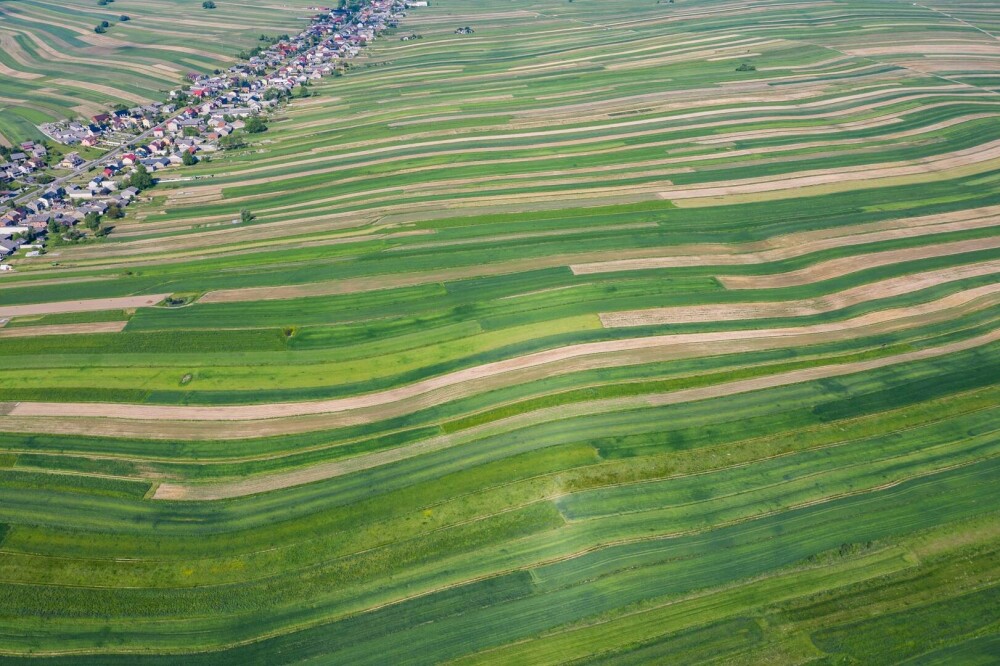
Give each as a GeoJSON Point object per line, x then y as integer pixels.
{"type": "Point", "coordinates": [569, 340]}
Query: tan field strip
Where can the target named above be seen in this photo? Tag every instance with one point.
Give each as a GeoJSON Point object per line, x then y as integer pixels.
{"type": "Point", "coordinates": [844, 265]}
{"type": "Point", "coordinates": [242, 421]}
{"type": "Point", "coordinates": [171, 491]}
{"type": "Point", "coordinates": [62, 329]}
{"type": "Point", "coordinates": [898, 286]}
{"type": "Point", "coordinates": [798, 244]}
{"type": "Point", "coordinates": [91, 305]}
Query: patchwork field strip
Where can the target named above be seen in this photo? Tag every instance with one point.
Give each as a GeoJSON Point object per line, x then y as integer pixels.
{"type": "Point", "coordinates": [569, 340]}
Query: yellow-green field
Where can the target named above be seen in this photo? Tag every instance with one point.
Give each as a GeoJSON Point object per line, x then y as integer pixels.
{"type": "Point", "coordinates": [562, 341]}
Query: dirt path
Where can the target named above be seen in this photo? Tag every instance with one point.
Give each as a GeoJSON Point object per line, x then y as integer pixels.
{"type": "Point", "coordinates": [897, 286]}
{"type": "Point", "coordinates": [172, 491]}
{"type": "Point", "coordinates": [92, 305]}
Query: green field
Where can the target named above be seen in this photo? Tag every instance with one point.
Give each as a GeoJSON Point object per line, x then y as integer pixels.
{"type": "Point", "coordinates": [54, 66]}
{"type": "Point", "coordinates": [558, 342]}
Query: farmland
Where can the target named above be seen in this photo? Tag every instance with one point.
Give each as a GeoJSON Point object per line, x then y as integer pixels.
{"type": "Point", "coordinates": [569, 340]}
{"type": "Point", "coordinates": [54, 66]}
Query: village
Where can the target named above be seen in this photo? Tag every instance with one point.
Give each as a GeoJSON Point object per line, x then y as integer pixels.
{"type": "Point", "coordinates": [214, 112]}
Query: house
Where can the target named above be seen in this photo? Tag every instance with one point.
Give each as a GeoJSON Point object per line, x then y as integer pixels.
{"type": "Point", "coordinates": [71, 161]}
{"type": "Point", "coordinates": [77, 193]}
{"type": "Point", "coordinates": [8, 247]}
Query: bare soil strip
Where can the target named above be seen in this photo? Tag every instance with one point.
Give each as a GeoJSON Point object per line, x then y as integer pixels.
{"type": "Point", "coordinates": [63, 329]}
{"type": "Point", "coordinates": [897, 286]}
{"type": "Point", "coordinates": [92, 305]}
{"type": "Point", "coordinates": [171, 491]}
{"type": "Point", "coordinates": [837, 267]}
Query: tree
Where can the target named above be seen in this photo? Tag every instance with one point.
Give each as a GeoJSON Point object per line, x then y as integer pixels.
{"type": "Point", "coordinates": [92, 221]}
{"type": "Point", "coordinates": [140, 178]}
{"type": "Point", "coordinates": [246, 215]}
{"type": "Point", "coordinates": [255, 125]}
{"type": "Point", "coordinates": [100, 30]}
{"type": "Point", "coordinates": [115, 212]}
{"type": "Point", "coordinates": [105, 24]}
{"type": "Point", "coordinates": [232, 142]}
{"type": "Point", "coordinates": [746, 67]}
{"type": "Point", "coordinates": [191, 131]}
{"type": "Point", "coordinates": [124, 17]}
{"type": "Point", "coordinates": [188, 158]}
{"type": "Point", "coordinates": [208, 4]}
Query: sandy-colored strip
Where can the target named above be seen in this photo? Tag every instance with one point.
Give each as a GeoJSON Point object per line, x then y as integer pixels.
{"type": "Point", "coordinates": [172, 491]}
{"type": "Point", "coordinates": [844, 265]}
{"type": "Point", "coordinates": [63, 329]}
{"type": "Point", "coordinates": [17, 74]}
{"type": "Point", "coordinates": [92, 305]}
{"type": "Point", "coordinates": [898, 286]}
{"type": "Point", "coordinates": [375, 406]}
{"type": "Point", "coordinates": [798, 244]}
